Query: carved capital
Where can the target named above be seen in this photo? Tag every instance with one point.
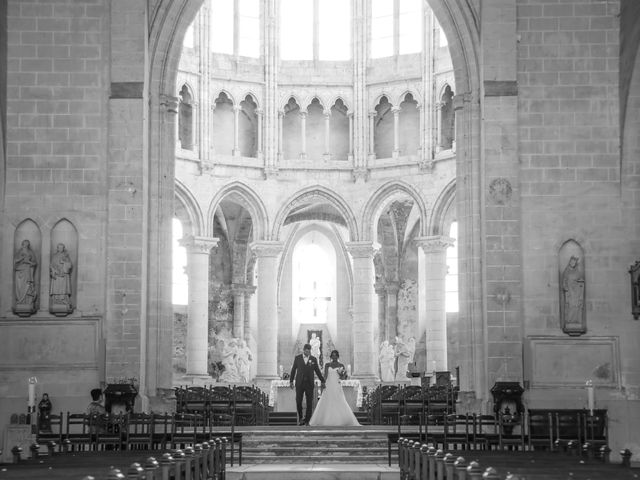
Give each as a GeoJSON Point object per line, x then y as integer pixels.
{"type": "Point", "coordinates": [360, 174]}
{"type": "Point", "coordinates": [169, 102]}
{"type": "Point", "coordinates": [426, 165]}
{"type": "Point", "coordinates": [195, 244]}
{"type": "Point", "coordinates": [266, 248]}
{"type": "Point", "coordinates": [435, 243]}
{"type": "Point", "coordinates": [392, 288]}
{"type": "Point", "coordinates": [362, 249]}
{"type": "Point", "coordinates": [270, 172]}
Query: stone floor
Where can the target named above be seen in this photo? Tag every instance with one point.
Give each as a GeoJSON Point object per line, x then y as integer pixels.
{"type": "Point", "coordinates": [314, 471]}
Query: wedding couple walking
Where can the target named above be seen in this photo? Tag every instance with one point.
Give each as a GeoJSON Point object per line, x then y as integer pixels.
{"type": "Point", "coordinates": [332, 409]}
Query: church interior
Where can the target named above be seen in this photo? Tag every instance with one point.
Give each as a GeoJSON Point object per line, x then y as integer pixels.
{"type": "Point", "coordinates": [441, 190]}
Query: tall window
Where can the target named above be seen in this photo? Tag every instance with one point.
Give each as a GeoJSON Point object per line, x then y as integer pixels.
{"type": "Point", "coordinates": [235, 27]}
{"type": "Point", "coordinates": [396, 27]}
{"type": "Point", "coordinates": [180, 283]}
{"type": "Point", "coordinates": [315, 30]}
{"type": "Point", "coordinates": [451, 280]}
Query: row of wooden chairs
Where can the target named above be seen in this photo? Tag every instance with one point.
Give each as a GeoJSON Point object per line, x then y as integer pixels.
{"type": "Point", "coordinates": [387, 403]}
{"type": "Point", "coordinates": [139, 431]}
{"type": "Point", "coordinates": [248, 404]}
{"type": "Point", "coordinates": [532, 431]}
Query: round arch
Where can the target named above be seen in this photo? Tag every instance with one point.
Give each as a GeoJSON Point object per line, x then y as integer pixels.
{"type": "Point", "coordinates": [311, 195]}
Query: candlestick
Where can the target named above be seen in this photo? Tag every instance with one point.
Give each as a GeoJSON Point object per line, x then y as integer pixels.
{"type": "Point", "coordinates": [349, 370]}
{"type": "Point", "coordinates": [434, 365]}
{"type": "Point", "coordinates": [590, 397]}
{"type": "Point", "coordinates": [281, 371]}
{"type": "Point", "coordinates": [32, 394]}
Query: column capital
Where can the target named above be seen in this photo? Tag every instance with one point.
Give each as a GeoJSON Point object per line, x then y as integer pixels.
{"type": "Point", "coordinates": [395, 109]}
{"type": "Point", "coordinates": [195, 244]}
{"type": "Point", "coordinates": [169, 102]}
{"type": "Point", "coordinates": [362, 249]}
{"type": "Point", "coordinates": [435, 243]}
{"type": "Point", "coordinates": [242, 289]}
{"type": "Point", "coordinates": [267, 248]}
{"type": "Point", "coordinates": [392, 288]}
{"type": "Point", "coordinates": [237, 108]}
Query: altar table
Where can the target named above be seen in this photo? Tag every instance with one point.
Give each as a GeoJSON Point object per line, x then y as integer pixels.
{"type": "Point", "coordinates": [283, 398]}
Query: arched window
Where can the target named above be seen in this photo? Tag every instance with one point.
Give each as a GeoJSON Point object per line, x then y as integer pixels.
{"type": "Point", "coordinates": [315, 30]}
{"type": "Point", "coordinates": [339, 131]}
{"type": "Point", "coordinates": [180, 283]}
{"type": "Point", "coordinates": [189, 37]}
{"type": "Point", "coordinates": [409, 126]}
{"type": "Point", "coordinates": [396, 27]}
{"type": "Point", "coordinates": [186, 119]}
{"type": "Point", "coordinates": [248, 126]}
{"type": "Point", "coordinates": [315, 130]}
{"type": "Point", "coordinates": [235, 27]}
{"type": "Point", "coordinates": [222, 125]}
{"type": "Point", "coordinates": [291, 131]}
{"type": "Point", "coordinates": [451, 280]}
{"type": "Point", "coordinates": [447, 120]}
{"type": "Point", "coordinates": [383, 134]}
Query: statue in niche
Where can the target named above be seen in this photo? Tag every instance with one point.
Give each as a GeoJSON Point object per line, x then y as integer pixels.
{"type": "Point", "coordinates": [243, 360]}
{"type": "Point", "coordinates": [404, 356]}
{"type": "Point", "coordinates": [572, 297]}
{"type": "Point", "coordinates": [316, 343]}
{"type": "Point", "coordinates": [387, 358]}
{"type": "Point", "coordinates": [24, 265]}
{"type": "Point", "coordinates": [60, 287]}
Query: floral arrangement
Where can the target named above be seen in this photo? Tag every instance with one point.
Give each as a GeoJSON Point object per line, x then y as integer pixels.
{"type": "Point", "coordinates": [342, 373]}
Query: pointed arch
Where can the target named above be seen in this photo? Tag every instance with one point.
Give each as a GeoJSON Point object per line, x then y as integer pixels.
{"type": "Point", "coordinates": [194, 220]}
{"type": "Point", "coordinates": [382, 197]}
{"type": "Point", "coordinates": [440, 213]}
{"type": "Point", "coordinates": [316, 194]}
{"type": "Point", "coordinates": [242, 194]}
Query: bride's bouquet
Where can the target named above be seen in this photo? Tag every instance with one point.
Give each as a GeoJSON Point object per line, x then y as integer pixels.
{"type": "Point", "coordinates": [342, 373]}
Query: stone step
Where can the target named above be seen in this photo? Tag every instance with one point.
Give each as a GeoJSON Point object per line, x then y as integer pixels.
{"type": "Point", "coordinates": [313, 471]}
{"type": "Point", "coordinates": [303, 450]}
{"type": "Point", "coordinates": [345, 457]}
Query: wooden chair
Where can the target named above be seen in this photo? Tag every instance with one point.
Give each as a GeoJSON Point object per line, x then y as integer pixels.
{"type": "Point", "coordinates": [405, 431]}
{"type": "Point", "coordinates": [511, 430]}
{"type": "Point", "coordinates": [109, 431]}
{"type": "Point", "coordinates": [53, 431]}
{"type": "Point", "coordinates": [458, 431]}
{"type": "Point", "coordinates": [78, 431]}
{"type": "Point", "coordinates": [138, 432]}
{"type": "Point", "coordinates": [160, 430]}
{"type": "Point", "coordinates": [568, 429]}
{"type": "Point", "coordinates": [486, 432]}
{"type": "Point", "coordinates": [183, 430]}
{"type": "Point", "coordinates": [223, 425]}
{"type": "Point", "coordinates": [540, 429]}
{"type": "Point", "coordinates": [388, 404]}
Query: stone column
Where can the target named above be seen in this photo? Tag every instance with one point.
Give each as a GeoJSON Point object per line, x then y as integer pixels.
{"type": "Point", "coordinates": [396, 131]}
{"type": "Point", "coordinates": [248, 292]}
{"type": "Point", "coordinates": [438, 129]}
{"type": "Point", "coordinates": [280, 129]}
{"type": "Point", "coordinates": [303, 134]}
{"type": "Point", "coordinates": [268, 253]}
{"type": "Point", "coordinates": [435, 271]}
{"type": "Point", "coordinates": [391, 313]}
{"type": "Point", "coordinates": [237, 291]}
{"type": "Point", "coordinates": [327, 134]}
{"type": "Point", "coordinates": [259, 115]}
{"type": "Point", "coordinates": [236, 130]}
{"type": "Point", "coordinates": [198, 250]}
{"type": "Point", "coordinates": [364, 351]}
{"type": "Point", "coordinates": [350, 155]}
{"type": "Point", "coordinates": [383, 332]}
{"type": "Point", "coordinates": [372, 136]}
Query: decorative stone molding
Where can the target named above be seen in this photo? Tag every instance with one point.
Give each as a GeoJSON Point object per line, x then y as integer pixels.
{"type": "Point", "coordinates": [195, 244]}
{"type": "Point", "coordinates": [435, 243]}
{"type": "Point", "coordinates": [360, 174]}
{"type": "Point", "coordinates": [500, 190]}
{"type": "Point", "coordinates": [362, 249]}
{"type": "Point", "coordinates": [502, 296]}
{"type": "Point", "coordinates": [267, 248]}
{"type": "Point", "coordinates": [270, 172]}
{"type": "Point", "coordinates": [169, 102]}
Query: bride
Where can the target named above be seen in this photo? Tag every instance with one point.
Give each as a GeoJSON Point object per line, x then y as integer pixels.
{"type": "Point", "coordinates": [332, 409]}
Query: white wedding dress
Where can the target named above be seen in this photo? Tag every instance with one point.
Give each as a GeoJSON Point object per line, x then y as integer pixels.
{"type": "Point", "coordinates": [332, 409]}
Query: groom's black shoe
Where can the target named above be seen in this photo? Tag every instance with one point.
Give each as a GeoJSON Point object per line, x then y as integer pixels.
{"type": "Point", "coordinates": [301, 422]}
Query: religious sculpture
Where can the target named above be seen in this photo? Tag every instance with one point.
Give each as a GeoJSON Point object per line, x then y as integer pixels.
{"type": "Point", "coordinates": [24, 266]}
{"type": "Point", "coordinates": [315, 347]}
{"type": "Point", "coordinates": [244, 359]}
{"type": "Point", "coordinates": [44, 410]}
{"type": "Point", "coordinates": [387, 358]}
{"type": "Point", "coordinates": [60, 269]}
{"type": "Point", "coordinates": [230, 361]}
{"type": "Point", "coordinates": [404, 356]}
{"type": "Point", "coordinates": [572, 298]}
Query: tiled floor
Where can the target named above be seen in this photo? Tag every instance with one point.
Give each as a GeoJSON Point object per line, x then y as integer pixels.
{"type": "Point", "coordinates": [314, 471]}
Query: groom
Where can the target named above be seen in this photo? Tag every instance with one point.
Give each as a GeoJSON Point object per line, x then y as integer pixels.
{"type": "Point", "coordinates": [302, 371]}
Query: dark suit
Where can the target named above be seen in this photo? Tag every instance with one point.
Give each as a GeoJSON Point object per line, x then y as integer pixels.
{"type": "Point", "coordinates": [302, 374]}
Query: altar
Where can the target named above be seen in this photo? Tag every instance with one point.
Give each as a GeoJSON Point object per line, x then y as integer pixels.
{"type": "Point", "coordinates": [283, 398]}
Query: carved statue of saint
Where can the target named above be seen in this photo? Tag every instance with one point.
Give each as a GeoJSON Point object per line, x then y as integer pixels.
{"type": "Point", "coordinates": [60, 287]}
{"type": "Point", "coordinates": [387, 358]}
{"type": "Point", "coordinates": [404, 355]}
{"type": "Point", "coordinates": [244, 359]}
{"type": "Point", "coordinates": [24, 266]}
{"type": "Point", "coordinates": [572, 293]}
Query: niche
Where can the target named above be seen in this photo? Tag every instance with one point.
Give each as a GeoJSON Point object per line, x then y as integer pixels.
{"type": "Point", "coordinates": [63, 269]}
{"type": "Point", "coordinates": [27, 243]}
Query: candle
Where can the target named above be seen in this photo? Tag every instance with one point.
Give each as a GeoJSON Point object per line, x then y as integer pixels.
{"type": "Point", "coordinates": [349, 370]}
{"type": "Point", "coordinates": [281, 370]}
{"type": "Point", "coordinates": [32, 393]}
{"type": "Point", "coordinates": [434, 365]}
{"type": "Point", "coordinates": [590, 397]}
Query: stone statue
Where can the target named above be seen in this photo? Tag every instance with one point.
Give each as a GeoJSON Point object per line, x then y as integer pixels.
{"type": "Point", "coordinates": [411, 347]}
{"type": "Point", "coordinates": [572, 297]}
{"type": "Point", "coordinates": [60, 287]}
{"type": "Point", "coordinates": [244, 359]}
{"type": "Point", "coordinates": [403, 354]}
{"type": "Point", "coordinates": [230, 361]}
{"type": "Point", "coordinates": [387, 359]}
{"type": "Point", "coordinates": [24, 266]}
{"type": "Point", "coordinates": [315, 346]}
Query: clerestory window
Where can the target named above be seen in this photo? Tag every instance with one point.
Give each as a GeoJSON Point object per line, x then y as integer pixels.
{"type": "Point", "coordinates": [235, 27]}
{"type": "Point", "coordinates": [396, 27]}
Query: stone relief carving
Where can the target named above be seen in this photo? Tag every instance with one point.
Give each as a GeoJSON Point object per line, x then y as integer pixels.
{"type": "Point", "coordinates": [500, 190]}
{"type": "Point", "coordinates": [60, 286]}
{"type": "Point", "coordinates": [25, 264]}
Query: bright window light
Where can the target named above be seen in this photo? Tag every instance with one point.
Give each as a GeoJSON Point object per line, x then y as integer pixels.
{"type": "Point", "coordinates": [335, 30]}
{"type": "Point", "coordinates": [189, 37]}
{"type": "Point", "coordinates": [381, 28]}
{"type": "Point", "coordinates": [410, 35]}
{"type": "Point", "coordinates": [222, 26]}
{"type": "Point", "coordinates": [249, 28]}
{"type": "Point", "coordinates": [180, 282]}
{"type": "Point", "coordinates": [296, 27]}
{"type": "Point", "coordinates": [451, 280]}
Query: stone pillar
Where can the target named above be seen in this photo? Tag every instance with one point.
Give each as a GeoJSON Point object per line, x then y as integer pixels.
{"type": "Point", "coordinates": [236, 130]}
{"type": "Point", "coordinates": [364, 351]}
{"type": "Point", "coordinates": [268, 253]}
{"type": "Point", "coordinates": [435, 271]}
{"type": "Point", "coordinates": [280, 129]}
{"type": "Point", "coordinates": [198, 250]}
{"type": "Point", "coordinates": [438, 129]}
{"type": "Point", "coordinates": [372, 136]}
{"type": "Point", "coordinates": [327, 134]}
{"type": "Point", "coordinates": [248, 292]}
{"type": "Point", "coordinates": [427, 108]}
{"type": "Point", "coordinates": [396, 131]}
{"type": "Point", "coordinates": [303, 134]}
{"type": "Point", "coordinates": [259, 115]}
{"type": "Point", "coordinates": [238, 291]}
{"type": "Point", "coordinates": [383, 332]}
{"type": "Point", "coordinates": [350, 116]}
{"type": "Point", "coordinates": [391, 313]}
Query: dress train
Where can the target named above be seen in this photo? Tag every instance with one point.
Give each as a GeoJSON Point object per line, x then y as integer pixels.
{"type": "Point", "coordinates": [332, 409]}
